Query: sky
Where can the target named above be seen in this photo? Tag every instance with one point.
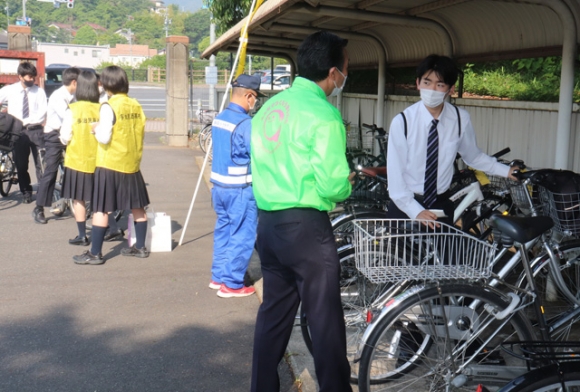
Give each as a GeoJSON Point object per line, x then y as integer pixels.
{"type": "Point", "coordinates": [187, 5]}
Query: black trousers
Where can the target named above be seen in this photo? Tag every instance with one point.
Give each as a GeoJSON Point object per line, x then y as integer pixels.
{"type": "Point", "coordinates": [52, 157]}
{"type": "Point", "coordinates": [30, 141]}
{"type": "Point", "coordinates": [442, 203]}
{"type": "Point", "coordinates": [299, 263]}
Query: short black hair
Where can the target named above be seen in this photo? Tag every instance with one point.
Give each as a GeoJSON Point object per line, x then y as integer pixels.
{"type": "Point", "coordinates": [87, 87]}
{"type": "Point", "coordinates": [318, 53]}
{"type": "Point", "coordinates": [114, 79]}
{"type": "Point", "coordinates": [26, 68]}
{"type": "Point", "coordinates": [443, 66]}
{"type": "Point", "coordinates": [70, 74]}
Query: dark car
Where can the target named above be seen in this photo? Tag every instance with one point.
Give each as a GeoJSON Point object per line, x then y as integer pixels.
{"type": "Point", "coordinates": [53, 77]}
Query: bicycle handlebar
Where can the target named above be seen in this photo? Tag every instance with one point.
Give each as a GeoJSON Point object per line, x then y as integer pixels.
{"type": "Point", "coordinates": [501, 153]}
{"type": "Point", "coordinates": [373, 128]}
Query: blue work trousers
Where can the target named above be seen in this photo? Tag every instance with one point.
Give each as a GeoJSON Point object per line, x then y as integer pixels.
{"type": "Point", "coordinates": [234, 234]}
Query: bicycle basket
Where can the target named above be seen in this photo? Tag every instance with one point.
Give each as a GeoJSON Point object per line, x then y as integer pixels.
{"type": "Point", "coordinates": [395, 250]}
{"type": "Point", "coordinates": [564, 209]}
{"type": "Point", "coordinates": [353, 139]}
{"type": "Point", "coordinates": [206, 116]}
{"type": "Point", "coordinates": [497, 183]}
{"type": "Point", "coordinates": [518, 193]}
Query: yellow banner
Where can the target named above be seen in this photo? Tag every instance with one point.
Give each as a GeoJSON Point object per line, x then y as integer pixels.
{"type": "Point", "coordinates": [244, 41]}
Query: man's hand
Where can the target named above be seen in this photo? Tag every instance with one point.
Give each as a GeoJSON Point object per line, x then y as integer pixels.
{"type": "Point", "coordinates": [510, 175]}
{"type": "Point", "coordinates": [351, 177]}
{"type": "Point", "coordinates": [427, 215]}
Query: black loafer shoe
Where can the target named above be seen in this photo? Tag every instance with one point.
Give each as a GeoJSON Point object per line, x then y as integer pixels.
{"type": "Point", "coordinates": [113, 236]}
{"type": "Point", "coordinates": [27, 198]}
{"type": "Point", "coordinates": [88, 258]}
{"type": "Point", "coordinates": [132, 251]}
{"type": "Point", "coordinates": [84, 241]}
{"type": "Point", "coordinates": [38, 215]}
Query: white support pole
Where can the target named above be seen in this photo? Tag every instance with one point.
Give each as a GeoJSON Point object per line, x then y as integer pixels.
{"type": "Point", "coordinates": [228, 86]}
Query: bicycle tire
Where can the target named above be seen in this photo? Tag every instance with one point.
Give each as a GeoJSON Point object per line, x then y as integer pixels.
{"type": "Point", "coordinates": [7, 174]}
{"type": "Point", "coordinates": [208, 147]}
{"type": "Point", "coordinates": [554, 300]}
{"type": "Point", "coordinates": [203, 134]}
{"type": "Point", "coordinates": [406, 352]}
{"type": "Point", "coordinates": [547, 379]}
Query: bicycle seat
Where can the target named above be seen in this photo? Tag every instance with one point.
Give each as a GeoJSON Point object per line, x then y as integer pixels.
{"type": "Point", "coordinates": [521, 229]}
{"type": "Point", "coordinates": [375, 171]}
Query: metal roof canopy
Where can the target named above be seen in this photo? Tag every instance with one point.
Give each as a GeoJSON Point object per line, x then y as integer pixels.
{"type": "Point", "coordinates": [403, 32]}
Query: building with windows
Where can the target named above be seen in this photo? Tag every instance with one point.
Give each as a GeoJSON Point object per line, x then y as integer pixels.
{"type": "Point", "coordinates": [77, 55]}
{"type": "Point", "coordinates": [128, 54]}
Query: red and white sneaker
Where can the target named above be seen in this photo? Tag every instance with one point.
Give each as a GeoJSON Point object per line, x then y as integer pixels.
{"type": "Point", "coordinates": [214, 285]}
{"type": "Point", "coordinates": [226, 292]}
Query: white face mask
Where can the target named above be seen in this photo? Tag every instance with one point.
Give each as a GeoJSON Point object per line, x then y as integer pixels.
{"type": "Point", "coordinates": [337, 90]}
{"type": "Point", "coordinates": [101, 89]}
{"type": "Point", "coordinates": [432, 98]}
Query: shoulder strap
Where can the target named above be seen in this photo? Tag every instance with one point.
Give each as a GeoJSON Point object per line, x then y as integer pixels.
{"type": "Point", "coordinates": [405, 121]}
{"type": "Point", "coordinates": [458, 120]}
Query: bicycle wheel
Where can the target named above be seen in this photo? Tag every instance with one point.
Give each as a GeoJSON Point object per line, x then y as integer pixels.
{"type": "Point", "coordinates": [547, 379]}
{"type": "Point", "coordinates": [203, 135]}
{"type": "Point", "coordinates": [59, 204]}
{"type": "Point", "coordinates": [431, 338]}
{"type": "Point", "coordinates": [208, 148]}
{"type": "Point", "coordinates": [555, 302]}
{"type": "Point", "coordinates": [7, 173]}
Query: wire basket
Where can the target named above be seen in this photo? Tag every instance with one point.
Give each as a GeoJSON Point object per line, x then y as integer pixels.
{"type": "Point", "coordinates": [564, 209]}
{"type": "Point", "coordinates": [395, 250]}
{"type": "Point", "coordinates": [353, 140]}
{"type": "Point", "coordinates": [206, 116]}
{"type": "Point", "coordinates": [519, 193]}
{"type": "Point", "coordinates": [497, 183]}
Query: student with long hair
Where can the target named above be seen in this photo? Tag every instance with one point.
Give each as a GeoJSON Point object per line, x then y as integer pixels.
{"type": "Point", "coordinates": [81, 153]}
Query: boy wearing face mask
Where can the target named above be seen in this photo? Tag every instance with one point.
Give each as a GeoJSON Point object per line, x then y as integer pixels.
{"type": "Point", "coordinates": [26, 102]}
{"type": "Point", "coordinates": [232, 196]}
{"type": "Point", "coordinates": [423, 143]}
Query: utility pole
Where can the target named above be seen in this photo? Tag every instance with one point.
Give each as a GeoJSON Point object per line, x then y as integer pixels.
{"type": "Point", "coordinates": [24, 10]}
{"type": "Point", "coordinates": [7, 15]}
{"type": "Point", "coordinates": [166, 23]}
{"type": "Point", "coordinates": [131, 46]}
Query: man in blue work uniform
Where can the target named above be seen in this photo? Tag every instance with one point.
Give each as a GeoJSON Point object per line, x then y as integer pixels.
{"type": "Point", "coordinates": [232, 195]}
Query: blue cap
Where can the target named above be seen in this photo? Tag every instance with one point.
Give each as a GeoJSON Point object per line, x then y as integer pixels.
{"type": "Point", "coordinates": [249, 82]}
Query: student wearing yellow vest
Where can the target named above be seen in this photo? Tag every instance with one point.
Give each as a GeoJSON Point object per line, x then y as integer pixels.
{"type": "Point", "coordinates": [118, 184]}
{"type": "Point", "coordinates": [81, 153]}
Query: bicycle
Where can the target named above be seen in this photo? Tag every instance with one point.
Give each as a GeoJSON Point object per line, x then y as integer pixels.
{"type": "Point", "coordinates": [395, 351]}
{"type": "Point", "coordinates": [206, 117]}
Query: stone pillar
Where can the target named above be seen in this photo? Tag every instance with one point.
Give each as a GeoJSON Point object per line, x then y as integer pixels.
{"type": "Point", "coordinates": [176, 91]}
{"type": "Point", "coordinates": [19, 38]}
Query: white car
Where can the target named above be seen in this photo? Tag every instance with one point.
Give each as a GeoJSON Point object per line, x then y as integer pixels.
{"type": "Point", "coordinates": [281, 82]}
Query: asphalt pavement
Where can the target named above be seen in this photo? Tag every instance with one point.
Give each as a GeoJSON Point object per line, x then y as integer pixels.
{"type": "Point", "coordinates": [130, 324]}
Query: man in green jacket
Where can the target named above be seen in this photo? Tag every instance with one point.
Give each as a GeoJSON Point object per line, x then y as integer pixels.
{"type": "Point", "coordinates": [299, 172]}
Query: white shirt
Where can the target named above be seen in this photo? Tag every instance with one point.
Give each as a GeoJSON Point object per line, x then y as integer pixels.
{"type": "Point", "coordinates": [104, 130]}
{"type": "Point", "coordinates": [57, 106]}
{"type": "Point", "coordinates": [407, 157]}
{"type": "Point", "coordinates": [13, 94]}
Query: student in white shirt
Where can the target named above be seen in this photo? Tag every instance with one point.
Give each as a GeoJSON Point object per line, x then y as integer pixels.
{"type": "Point", "coordinates": [408, 145]}
{"type": "Point", "coordinates": [32, 114]}
{"type": "Point", "coordinates": [57, 106]}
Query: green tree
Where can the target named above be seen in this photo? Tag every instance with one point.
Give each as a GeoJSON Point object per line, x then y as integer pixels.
{"type": "Point", "coordinates": [85, 36]}
{"type": "Point", "coordinates": [227, 12]}
{"type": "Point", "coordinates": [196, 27]}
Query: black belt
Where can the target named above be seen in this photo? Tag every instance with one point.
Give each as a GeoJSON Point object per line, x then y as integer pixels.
{"type": "Point", "coordinates": [444, 195]}
{"type": "Point", "coordinates": [33, 127]}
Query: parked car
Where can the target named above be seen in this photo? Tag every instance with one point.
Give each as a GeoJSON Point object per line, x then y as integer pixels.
{"type": "Point", "coordinates": [53, 77]}
{"type": "Point", "coordinates": [282, 69]}
{"type": "Point", "coordinates": [281, 82]}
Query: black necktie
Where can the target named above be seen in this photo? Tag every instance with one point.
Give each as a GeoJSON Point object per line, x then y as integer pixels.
{"type": "Point", "coordinates": [25, 109]}
{"type": "Point", "coordinates": [430, 188]}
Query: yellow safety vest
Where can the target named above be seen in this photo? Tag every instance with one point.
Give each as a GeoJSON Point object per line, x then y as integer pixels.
{"type": "Point", "coordinates": [81, 153]}
{"type": "Point", "coordinates": [124, 151]}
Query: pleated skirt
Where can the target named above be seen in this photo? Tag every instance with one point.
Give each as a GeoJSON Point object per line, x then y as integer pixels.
{"type": "Point", "coordinates": [114, 190]}
{"type": "Point", "coordinates": [77, 185]}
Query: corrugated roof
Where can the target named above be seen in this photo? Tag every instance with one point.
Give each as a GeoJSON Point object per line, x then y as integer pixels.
{"type": "Point", "coordinates": [409, 30]}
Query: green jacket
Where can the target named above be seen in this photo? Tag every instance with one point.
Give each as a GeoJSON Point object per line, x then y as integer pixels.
{"type": "Point", "coordinates": [298, 151]}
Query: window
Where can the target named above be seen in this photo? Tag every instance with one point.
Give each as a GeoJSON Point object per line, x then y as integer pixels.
{"type": "Point", "coordinates": [66, 50]}
{"type": "Point", "coordinates": [96, 53]}
{"type": "Point", "coordinates": [82, 51]}
{"type": "Point", "coordinates": [75, 53]}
